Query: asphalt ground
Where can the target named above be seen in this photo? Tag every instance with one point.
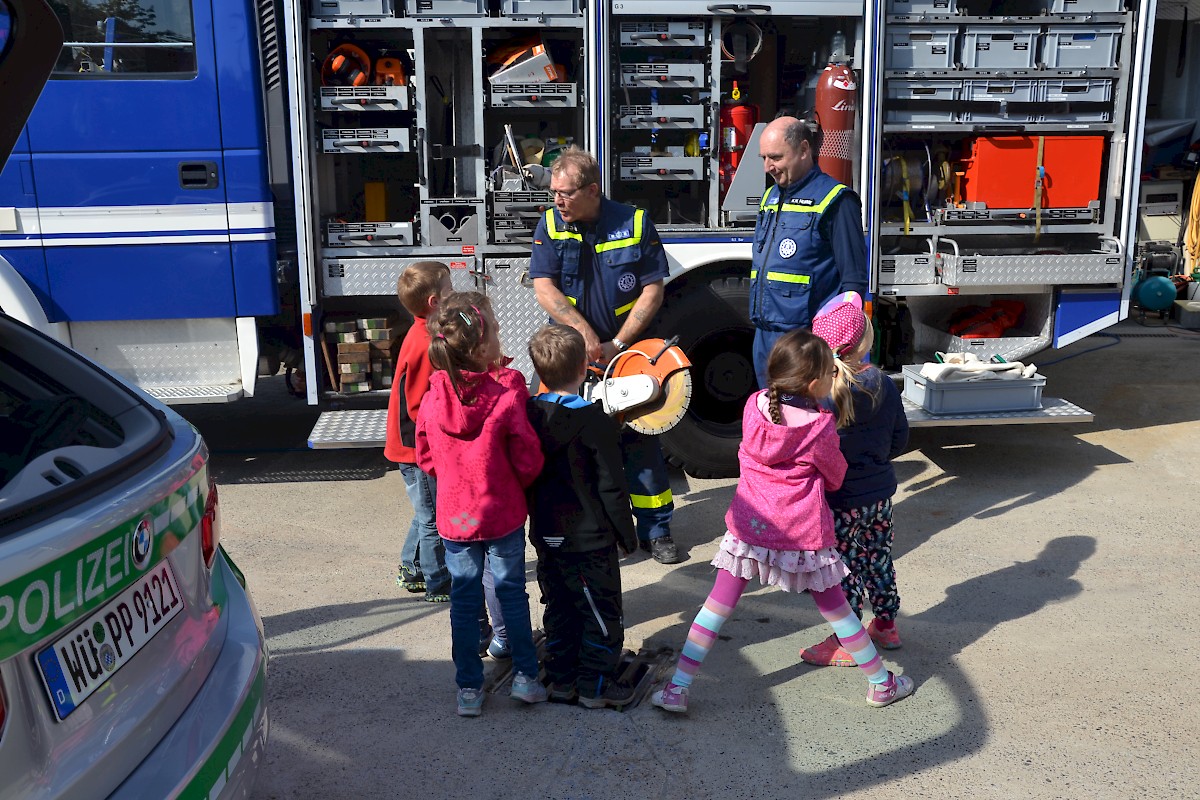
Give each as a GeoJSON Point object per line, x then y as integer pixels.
{"type": "Point", "coordinates": [1047, 576]}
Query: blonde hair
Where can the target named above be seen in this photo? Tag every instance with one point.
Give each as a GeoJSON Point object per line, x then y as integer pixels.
{"type": "Point", "coordinates": [457, 329]}
{"type": "Point", "coordinates": [797, 359]}
{"type": "Point", "coordinates": [849, 376]}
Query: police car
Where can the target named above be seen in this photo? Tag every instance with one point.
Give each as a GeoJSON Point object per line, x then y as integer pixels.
{"type": "Point", "coordinates": [132, 658]}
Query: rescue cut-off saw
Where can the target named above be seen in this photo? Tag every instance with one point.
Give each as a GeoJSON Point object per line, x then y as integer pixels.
{"type": "Point", "coordinates": [647, 387]}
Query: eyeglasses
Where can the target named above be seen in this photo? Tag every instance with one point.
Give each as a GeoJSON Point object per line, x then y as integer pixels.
{"type": "Point", "coordinates": [567, 194]}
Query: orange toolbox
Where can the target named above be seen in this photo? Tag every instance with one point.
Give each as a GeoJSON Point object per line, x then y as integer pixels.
{"type": "Point", "coordinates": [1002, 171]}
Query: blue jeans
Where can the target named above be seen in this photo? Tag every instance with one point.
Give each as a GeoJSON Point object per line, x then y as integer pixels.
{"type": "Point", "coordinates": [423, 553]}
{"type": "Point", "coordinates": [465, 560]}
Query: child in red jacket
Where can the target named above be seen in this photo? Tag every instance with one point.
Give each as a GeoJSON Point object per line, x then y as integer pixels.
{"type": "Point", "coordinates": [421, 287]}
{"type": "Point", "coordinates": [474, 438]}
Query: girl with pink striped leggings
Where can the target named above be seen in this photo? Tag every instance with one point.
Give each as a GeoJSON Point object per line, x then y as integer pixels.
{"type": "Point", "coordinates": [780, 527]}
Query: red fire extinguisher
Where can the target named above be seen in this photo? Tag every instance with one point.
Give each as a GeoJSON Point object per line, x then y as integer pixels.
{"type": "Point", "coordinates": [837, 96]}
{"type": "Point", "coordinates": [738, 119]}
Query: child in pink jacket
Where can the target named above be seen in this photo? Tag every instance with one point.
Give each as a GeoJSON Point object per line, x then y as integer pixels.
{"type": "Point", "coordinates": [780, 525]}
{"type": "Point", "coordinates": [474, 437]}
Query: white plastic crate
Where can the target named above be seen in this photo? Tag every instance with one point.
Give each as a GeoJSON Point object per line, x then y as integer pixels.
{"type": "Point", "coordinates": [1094, 47]}
{"type": "Point", "coordinates": [995, 47]}
{"type": "Point", "coordinates": [920, 48]}
{"type": "Point", "coordinates": [971, 397]}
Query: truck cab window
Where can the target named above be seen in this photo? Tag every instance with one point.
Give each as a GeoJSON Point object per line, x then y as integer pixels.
{"type": "Point", "coordinates": [126, 39]}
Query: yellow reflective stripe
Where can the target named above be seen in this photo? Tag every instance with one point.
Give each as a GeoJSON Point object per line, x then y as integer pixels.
{"type": "Point", "coordinates": [753, 274]}
{"type": "Point", "coordinates": [617, 244]}
{"type": "Point", "coordinates": [819, 207]}
{"type": "Point", "coordinates": [762, 204]}
{"type": "Point", "coordinates": [553, 230]}
{"type": "Point", "coordinates": [625, 308]}
{"type": "Point", "coordinates": [787, 277]}
{"type": "Point", "coordinates": [648, 501]}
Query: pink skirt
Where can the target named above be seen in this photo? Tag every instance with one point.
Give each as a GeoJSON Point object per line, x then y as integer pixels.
{"type": "Point", "coordinates": [790, 570]}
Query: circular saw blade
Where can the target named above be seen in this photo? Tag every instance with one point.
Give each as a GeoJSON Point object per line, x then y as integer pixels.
{"type": "Point", "coordinates": [667, 411]}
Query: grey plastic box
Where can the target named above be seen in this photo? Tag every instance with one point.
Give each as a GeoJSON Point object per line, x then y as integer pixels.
{"type": "Point", "coordinates": [364, 98]}
{"type": "Point", "coordinates": [972, 397]}
{"type": "Point", "coordinates": [352, 8]}
{"type": "Point", "coordinates": [636, 167]}
{"type": "Point", "coordinates": [918, 7]}
{"type": "Point", "coordinates": [1087, 6]}
{"type": "Point", "coordinates": [1076, 90]}
{"type": "Point", "coordinates": [533, 95]}
{"type": "Point", "coordinates": [1000, 47]}
{"type": "Point", "coordinates": [920, 48]}
{"type": "Point", "coordinates": [660, 74]}
{"type": "Point", "coordinates": [1081, 48]}
{"type": "Point", "coordinates": [661, 117]}
{"type": "Point", "coordinates": [901, 89]}
{"type": "Point", "coordinates": [540, 8]}
{"type": "Point", "coordinates": [365, 140]}
{"type": "Point", "coordinates": [663, 34]}
{"type": "Point", "coordinates": [445, 8]}
{"type": "Point", "coordinates": [369, 234]}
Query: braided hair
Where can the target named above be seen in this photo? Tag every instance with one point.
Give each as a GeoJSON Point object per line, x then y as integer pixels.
{"type": "Point", "coordinates": [457, 332]}
{"type": "Point", "coordinates": [797, 359]}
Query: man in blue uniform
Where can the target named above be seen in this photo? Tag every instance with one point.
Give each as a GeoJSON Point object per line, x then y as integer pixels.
{"type": "Point", "coordinates": [808, 240]}
{"type": "Point", "coordinates": [598, 266]}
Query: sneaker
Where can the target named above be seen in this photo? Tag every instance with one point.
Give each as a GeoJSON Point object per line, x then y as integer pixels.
{"type": "Point", "coordinates": [828, 653]}
{"type": "Point", "coordinates": [470, 702]}
{"type": "Point", "coordinates": [663, 550]}
{"type": "Point", "coordinates": [498, 649]}
{"type": "Point", "coordinates": [437, 598]}
{"type": "Point", "coordinates": [561, 693]}
{"type": "Point", "coordinates": [411, 581]}
{"type": "Point", "coordinates": [671, 698]}
{"type": "Point", "coordinates": [614, 695]}
{"type": "Point", "coordinates": [896, 687]}
{"type": "Point", "coordinates": [527, 689]}
{"type": "Point", "coordinates": [887, 638]}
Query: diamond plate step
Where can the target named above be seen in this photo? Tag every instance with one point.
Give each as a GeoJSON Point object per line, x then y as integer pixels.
{"type": "Point", "coordinates": [1053, 410]}
{"type": "Point", "coordinates": [182, 395]}
{"type": "Point", "coordinates": [353, 428]}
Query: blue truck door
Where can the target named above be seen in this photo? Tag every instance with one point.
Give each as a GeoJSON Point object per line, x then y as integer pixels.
{"type": "Point", "coordinates": [127, 161]}
{"type": "Point", "coordinates": [20, 237]}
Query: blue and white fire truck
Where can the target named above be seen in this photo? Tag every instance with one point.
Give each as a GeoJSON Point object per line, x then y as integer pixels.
{"type": "Point", "coordinates": [205, 185]}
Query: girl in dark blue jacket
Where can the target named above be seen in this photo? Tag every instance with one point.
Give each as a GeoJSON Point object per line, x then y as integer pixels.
{"type": "Point", "coordinates": [873, 430]}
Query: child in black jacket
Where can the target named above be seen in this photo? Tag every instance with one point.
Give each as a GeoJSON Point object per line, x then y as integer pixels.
{"type": "Point", "coordinates": [578, 516]}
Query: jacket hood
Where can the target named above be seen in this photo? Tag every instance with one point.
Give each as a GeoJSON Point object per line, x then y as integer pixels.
{"type": "Point", "coordinates": [464, 419]}
{"type": "Point", "coordinates": [770, 444]}
{"type": "Point", "coordinates": [561, 421]}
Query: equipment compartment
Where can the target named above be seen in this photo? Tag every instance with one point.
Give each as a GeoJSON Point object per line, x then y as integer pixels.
{"type": "Point", "coordinates": [533, 95]}
{"type": "Point", "coordinates": [636, 167]}
{"type": "Point", "coordinates": [369, 234]}
{"type": "Point", "coordinates": [685, 117]}
{"type": "Point", "coordinates": [352, 8]}
{"type": "Point", "coordinates": [365, 140]}
{"type": "Point", "coordinates": [678, 74]}
{"type": "Point", "coordinates": [539, 8]}
{"type": "Point", "coordinates": [364, 98]}
{"type": "Point", "coordinates": [662, 34]}
{"type": "Point", "coordinates": [445, 8]}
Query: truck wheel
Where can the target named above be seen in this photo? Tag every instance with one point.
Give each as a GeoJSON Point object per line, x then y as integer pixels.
{"type": "Point", "coordinates": [712, 322]}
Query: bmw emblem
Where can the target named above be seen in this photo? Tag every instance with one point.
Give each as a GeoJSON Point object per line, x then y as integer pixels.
{"type": "Point", "coordinates": [627, 282]}
{"type": "Point", "coordinates": [787, 248]}
{"type": "Point", "coordinates": [143, 541]}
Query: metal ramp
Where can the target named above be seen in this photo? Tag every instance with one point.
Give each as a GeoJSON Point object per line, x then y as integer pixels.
{"type": "Point", "coordinates": [183, 395]}
{"type": "Point", "coordinates": [1053, 410]}
{"type": "Point", "coordinates": [351, 428]}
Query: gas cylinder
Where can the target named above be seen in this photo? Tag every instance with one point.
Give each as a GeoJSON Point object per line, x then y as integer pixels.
{"type": "Point", "coordinates": [738, 119]}
{"type": "Point", "coordinates": [837, 95]}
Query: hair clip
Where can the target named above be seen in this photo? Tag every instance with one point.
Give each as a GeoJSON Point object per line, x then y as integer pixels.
{"type": "Point", "coordinates": [466, 319]}
{"type": "Point", "coordinates": [442, 336]}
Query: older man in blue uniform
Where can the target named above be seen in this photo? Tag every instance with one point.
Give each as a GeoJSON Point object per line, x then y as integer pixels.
{"type": "Point", "coordinates": [808, 240]}
{"type": "Point", "coordinates": [598, 266]}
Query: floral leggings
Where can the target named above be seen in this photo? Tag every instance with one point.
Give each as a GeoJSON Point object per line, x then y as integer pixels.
{"type": "Point", "coordinates": [864, 537]}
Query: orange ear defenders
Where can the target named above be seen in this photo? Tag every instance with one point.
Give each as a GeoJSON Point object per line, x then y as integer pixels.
{"type": "Point", "coordinates": [346, 65]}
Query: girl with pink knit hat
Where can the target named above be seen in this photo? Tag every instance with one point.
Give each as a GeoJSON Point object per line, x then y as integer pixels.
{"type": "Point", "coordinates": [872, 429]}
{"type": "Point", "coordinates": [780, 529]}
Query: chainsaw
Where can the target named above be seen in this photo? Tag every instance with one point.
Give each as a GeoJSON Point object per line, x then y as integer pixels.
{"type": "Point", "coordinates": [647, 387]}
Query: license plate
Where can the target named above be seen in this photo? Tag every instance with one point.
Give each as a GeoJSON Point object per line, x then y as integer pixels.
{"type": "Point", "coordinates": [81, 662]}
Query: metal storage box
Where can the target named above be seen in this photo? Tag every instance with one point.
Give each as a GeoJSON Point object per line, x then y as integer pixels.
{"type": "Point", "coordinates": [533, 95]}
{"type": "Point", "coordinates": [972, 397]}
{"type": "Point", "coordinates": [1009, 47]}
{"type": "Point", "coordinates": [920, 48]}
{"type": "Point", "coordinates": [917, 7]}
{"type": "Point", "coordinates": [369, 234]}
{"type": "Point", "coordinates": [686, 75]}
{"type": "Point", "coordinates": [365, 140]}
{"type": "Point", "coordinates": [364, 98]}
{"type": "Point", "coordinates": [907, 270]}
{"type": "Point", "coordinates": [1081, 48]}
{"type": "Point", "coordinates": [445, 8]}
{"type": "Point", "coordinates": [1024, 270]}
{"type": "Point", "coordinates": [910, 100]}
{"type": "Point", "coordinates": [662, 34]}
{"type": "Point", "coordinates": [352, 8]}
{"type": "Point", "coordinates": [539, 8]}
{"type": "Point", "coordinates": [636, 167]}
{"type": "Point", "coordinates": [686, 117]}
{"type": "Point", "coordinates": [1000, 171]}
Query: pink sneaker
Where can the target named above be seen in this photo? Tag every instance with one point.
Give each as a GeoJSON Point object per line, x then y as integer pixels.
{"type": "Point", "coordinates": [887, 638]}
{"type": "Point", "coordinates": [671, 698]}
{"type": "Point", "coordinates": [828, 653]}
{"type": "Point", "coordinates": [896, 687]}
